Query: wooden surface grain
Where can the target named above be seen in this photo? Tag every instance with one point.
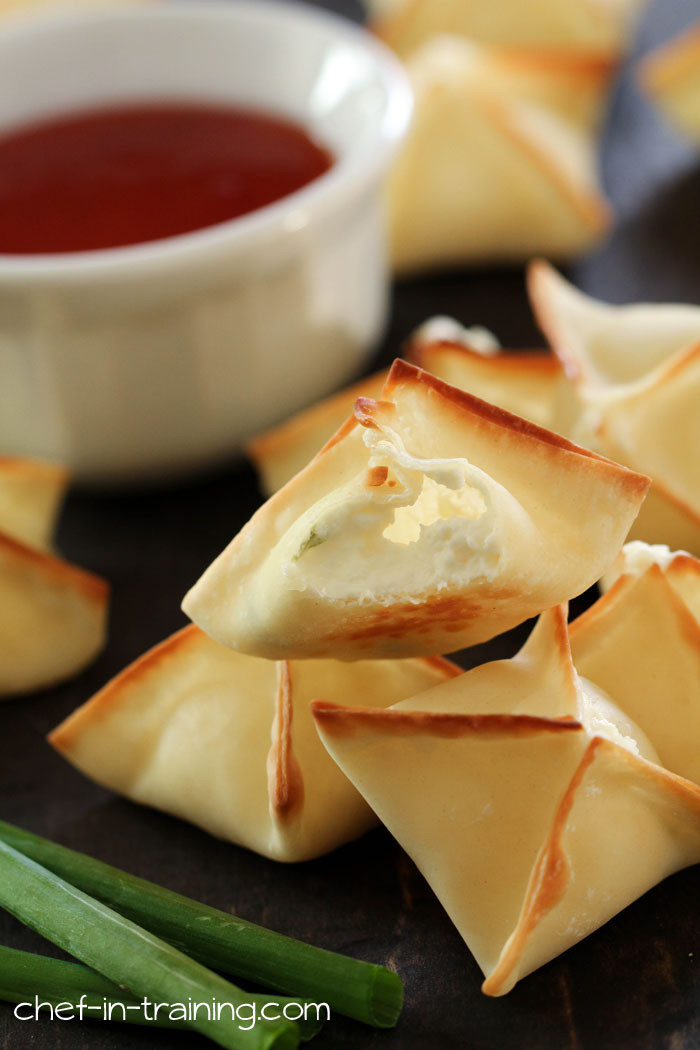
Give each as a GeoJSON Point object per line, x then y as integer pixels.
{"type": "Point", "coordinates": [633, 985]}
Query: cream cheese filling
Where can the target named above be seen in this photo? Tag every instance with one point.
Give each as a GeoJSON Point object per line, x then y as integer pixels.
{"type": "Point", "coordinates": [443, 329]}
{"type": "Point", "coordinates": [601, 716]}
{"type": "Point", "coordinates": [434, 502]}
{"type": "Point", "coordinates": [403, 526]}
{"type": "Point", "coordinates": [639, 556]}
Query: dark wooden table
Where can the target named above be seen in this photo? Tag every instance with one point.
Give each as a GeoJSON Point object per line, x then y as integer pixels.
{"type": "Point", "coordinates": [635, 984]}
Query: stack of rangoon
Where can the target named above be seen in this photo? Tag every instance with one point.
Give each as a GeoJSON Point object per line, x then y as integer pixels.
{"type": "Point", "coordinates": [309, 698]}
{"type": "Point", "coordinates": [501, 161]}
{"type": "Point", "coordinates": [52, 614]}
{"type": "Point", "coordinates": [623, 381]}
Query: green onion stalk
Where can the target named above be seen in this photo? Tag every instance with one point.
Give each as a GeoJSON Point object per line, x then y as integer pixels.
{"type": "Point", "coordinates": [366, 992]}
{"type": "Point", "coordinates": [132, 957]}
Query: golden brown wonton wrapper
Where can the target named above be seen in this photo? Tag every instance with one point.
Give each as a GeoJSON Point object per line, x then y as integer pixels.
{"type": "Point", "coordinates": [228, 742]}
{"type": "Point", "coordinates": [500, 162]}
{"type": "Point", "coordinates": [681, 570]}
{"type": "Point", "coordinates": [468, 358]}
{"type": "Point", "coordinates": [635, 373]}
{"type": "Point", "coordinates": [431, 521]}
{"type": "Point", "coordinates": [283, 451]}
{"type": "Point", "coordinates": [31, 494]}
{"type": "Point", "coordinates": [602, 26]}
{"type": "Point", "coordinates": [524, 383]}
{"type": "Point", "coordinates": [52, 615]}
{"type": "Point", "coordinates": [523, 791]}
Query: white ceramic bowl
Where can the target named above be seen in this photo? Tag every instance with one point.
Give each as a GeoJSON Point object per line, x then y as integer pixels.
{"type": "Point", "coordinates": [155, 360]}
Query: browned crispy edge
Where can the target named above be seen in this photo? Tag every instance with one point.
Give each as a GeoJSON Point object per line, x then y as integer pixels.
{"type": "Point", "coordinates": [285, 780]}
{"type": "Point", "coordinates": [64, 735]}
{"type": "Point", "coordinates": [94, 588]}
{"type": "Point", "coordinates": [338, 720]}
{"type": "Point", "coordinates": [402, 372]}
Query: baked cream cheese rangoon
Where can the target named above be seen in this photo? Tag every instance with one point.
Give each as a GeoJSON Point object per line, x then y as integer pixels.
{"type": "Point", "coordinates": [227, 741]}
{"type": "Point", "coordinates": [500, 162]}
{"type": "Point", "coordinates": [681, 570]}
{"type": "Point", "coordinates": [430, 521]}
{"type": "Point", "coordinates": [52, 615]}
{"type": "Point", "coordinates": [523, 788]}
{"type": "Point", "coordinates": [604, 26]}
{"type": "Point", "coordinates": [634, 376]}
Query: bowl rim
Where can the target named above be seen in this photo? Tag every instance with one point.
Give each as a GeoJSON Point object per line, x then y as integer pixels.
{"type": "Point", "coordinates": [289, 216]}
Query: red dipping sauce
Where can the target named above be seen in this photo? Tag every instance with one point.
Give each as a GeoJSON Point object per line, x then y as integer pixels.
{"type": "Point", "coordinates": [112, 177]}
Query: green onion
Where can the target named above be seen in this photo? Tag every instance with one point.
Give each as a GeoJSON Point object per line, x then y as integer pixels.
{"type": "Point", "coordinates": [360, 990]}
{"type": "Point", "coordinates": [24, 975]}
{"type": "Point", "coordinates": [130, 956]}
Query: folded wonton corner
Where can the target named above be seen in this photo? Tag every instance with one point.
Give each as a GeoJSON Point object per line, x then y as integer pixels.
{"type": "Point", "coordinates": [500, 162]}
{"type": "Point", "coordinates": [680, 568]}
{"type": "Point", "coordinates": [52, 614]}
{"type": "Point", "coordinates": [468, 358]}
{"type": "Point", "coordinates": [283, 451]}
{"type": "Point", "coordinates": [525, 383]}
{"type": "Point", "coordinates": [228, 742]}
{"type": "Point", "coordinates": [537, 801]}
{"type": "Point", "coordinates": [31, 494]}
{"type": "Point", "coordinates": [430, 521]}
{"type": "Point", "coordinates": [671, 77]}
{"type": "Point", "coordinates": [635, 376]}
{"type": "Point", "coordinates": [602, 26]}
